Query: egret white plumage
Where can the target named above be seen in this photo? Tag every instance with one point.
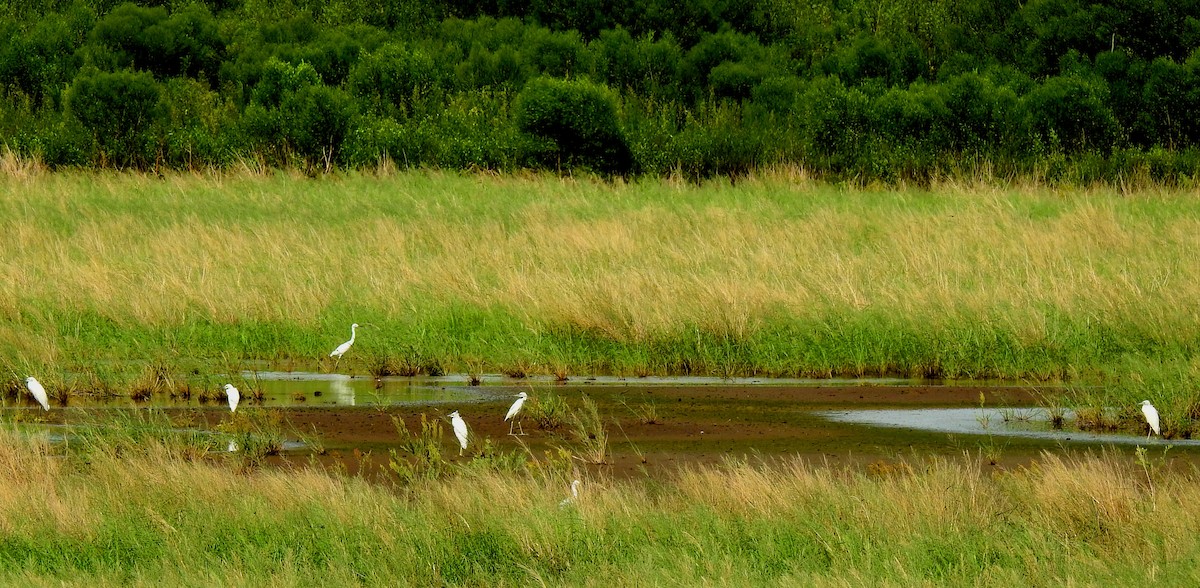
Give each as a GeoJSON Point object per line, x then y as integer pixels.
{"type": "Point", "coordinates": [1151, 419]}
{"type": "Point", "coordinates": [233, 395]}
{"type": "Point", "coordinates": [568, 501]}
{"type": "Point", "coordinates": [39, 393]}
{"type": "Point", "coordinates": [460, 430]}
{"type": "Point", "coordinates": [512, 412]}
{"type": "Point", "coordinates": [344, 347]}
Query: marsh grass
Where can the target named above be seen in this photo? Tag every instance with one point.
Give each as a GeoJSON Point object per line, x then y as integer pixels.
{"type": "Point", "coordinates": [157, 517]}
{"type": "Point", "coordinates": [122, 433]}
{"type": "Point", "coordinates": [11, 387]}
{"type": "Point", "coordinates": [255, 434]}
{"type": "Point", "coordinates": [646, 412]}
{"type": "Point", "coordinates": [589, 431]}
{"type": "Point", "coordinates": [547, 409]}
{"type": "Point", "coordinates": [420, 454]}
{"type": "Point", "coordinates": [531, 274]}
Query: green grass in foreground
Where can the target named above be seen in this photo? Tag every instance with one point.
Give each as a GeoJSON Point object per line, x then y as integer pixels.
{"type": "Point", "coordinates": [156, 512]}
{"type": "Point", "coordinates": [108, 275]}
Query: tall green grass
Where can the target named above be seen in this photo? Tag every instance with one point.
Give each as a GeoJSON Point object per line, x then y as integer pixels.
{"type": "Point", "coordinates": [157, 516]}
{"type": "Point", "coordinates": [773, 275]}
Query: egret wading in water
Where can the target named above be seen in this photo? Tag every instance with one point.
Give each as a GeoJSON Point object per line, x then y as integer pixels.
{"type": "Point", "coordinates": [512, 412]}
{"type": "Point", "coordinates": [1151, 419]}
{"type": "Point", "coordinates": [460, 430]}
{"type": "Point", "coordinates": [233, 395]}
{"type": "Point", "coordinates": [568, 501]}
{"type": "Point", "coordinates": [39, 393]}
{"type": "Point", "coordinates": [344, 347]}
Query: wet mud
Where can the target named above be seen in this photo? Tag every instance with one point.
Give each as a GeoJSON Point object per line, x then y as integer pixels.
{"type": "Point", "coordinates": [695, 425]}
{"type": "Point", "coordinates": [691, 425]}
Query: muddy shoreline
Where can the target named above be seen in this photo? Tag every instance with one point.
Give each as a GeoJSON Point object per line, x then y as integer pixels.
{"type": "Point", "coordinates": [695, 425]}
{"type": "Point", "coordinates": [691, 424]}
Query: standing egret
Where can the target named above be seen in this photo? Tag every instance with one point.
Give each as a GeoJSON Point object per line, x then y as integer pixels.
{"type": "Point", "coordinates": [233, 395]}
{"type": "Point", "coordinates": [344, 347]}
{"type": "Point", "coordinates": [460, 430]}
{"type": "Point", "coordinates": [512, 412]}
{"type": "Point", "coordinates": [39, 393]}
{"type": "Point", "coordinates": [568, 501]}
{"type": "Point", "coordinates": [1151, 419]}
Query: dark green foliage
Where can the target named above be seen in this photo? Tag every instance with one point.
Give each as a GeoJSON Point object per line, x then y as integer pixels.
{"type": "Point", "coordinates": [555, 54]}
{"type": "Point", "coordinates": [913, 116]}
{"type": "Point", "coordinates": [394, 77]}
{"type": "Point", "coordinates": [40, 61]}
{"type": "Point", "coordinates": [729, 63]}
{"type": "Point", "coordinates": [196, 121]}
{"type": "Point", "coordinates": [578, 119]}
{"type": "Point", "coordinates": [836, 120]}
{"type": "Point", "coordinates": [121, 110]}
{"type": "Point", "coordinates": [1071, 112]}
{"type": "Point", "coordinates": [1171, 99]}
{"type": "Point", "coordinates": [293, 114]}
{"type": "Point", "coordinates": [979, 114]}
{"type": "Point", "coordinates": [855, 88]}
{"type": "Point", "coordinates": [646, 67]}
{"type": "Point", "coordinates": [183, 43]}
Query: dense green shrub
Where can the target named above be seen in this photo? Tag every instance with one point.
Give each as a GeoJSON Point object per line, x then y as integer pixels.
{"type": "Point", "coordinates": [294, 115]}
{"type": "Point", "coordinates": [122, 110]}
{"type": "Point", "coordinates": [579, 121]}
{"type": "Point", "coordinates": [647, 67]}
{"type": "Point", "coordinates": [1071, 112]}
{"type": "Point", "coordinates": [556, 54]}
{"type": "Point", "coordinates": [196, 122]}
{"type": "Point", "coordinates": [183, 43]}
{"type": "Point", "coordinates": [485, 69]}
{"type": "Point", "coordinates": [778, 94]}
{"type": "Point", "coordinates": [726, 48]}
{"type": "Point", "coordinates": [980, 116]}
{"type": "Point", "coordinates": [41, 61]}
{"type": "Point", "coordinates": [836, 122]}
{"type": "Point", "coordinates": [394, 77]}
{"type": "Point", "coordinates": [917, 115]}
{"type": "Point", "coordinates": [722, 140]}
{"type": "Point", "coordinates": [1171, 101]}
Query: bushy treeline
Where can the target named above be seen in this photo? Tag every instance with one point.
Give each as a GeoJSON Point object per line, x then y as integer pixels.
{"type": "Point", "coordinates": [901, 89]}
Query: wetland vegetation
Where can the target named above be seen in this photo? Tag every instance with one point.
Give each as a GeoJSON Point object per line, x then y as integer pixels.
{"type": "Point", "coordinates": [192, 192]}
{"type": "Point", "coordinates": [154, 507]}
{"type": "Point", "coordinates": [176, 284]}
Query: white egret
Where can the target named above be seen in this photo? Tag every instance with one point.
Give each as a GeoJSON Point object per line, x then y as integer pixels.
{"type": "Point", "coordinates": [233, 395]}
{"type": "Point", "coordinates": [344, 347]}
{"type": "Point", "coordinates": [1151, 419]}
{"type": "Point", "coordinates": [568, 501]}
{"type": "Point", "coordinates": [512, 412]}
{"type": "Point", "coordinates": [39, 393]}
{"type": "Point", "coordinates": [460, 430]}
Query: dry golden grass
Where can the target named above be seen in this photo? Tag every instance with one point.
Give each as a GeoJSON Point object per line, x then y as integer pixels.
{"type": "Point", "coordinates": [629, 260]}
{"type": "Point", "coordinates": [631, 263]}
{"type": "Point", "coordinates": [1064, 520]}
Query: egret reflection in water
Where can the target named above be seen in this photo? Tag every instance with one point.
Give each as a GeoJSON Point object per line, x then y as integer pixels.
{"type": "Point", "coordinates": [341, 392]}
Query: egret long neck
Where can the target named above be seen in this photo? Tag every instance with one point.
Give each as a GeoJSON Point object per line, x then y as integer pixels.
{"type": "Point", "coordinates": [352, 333]}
